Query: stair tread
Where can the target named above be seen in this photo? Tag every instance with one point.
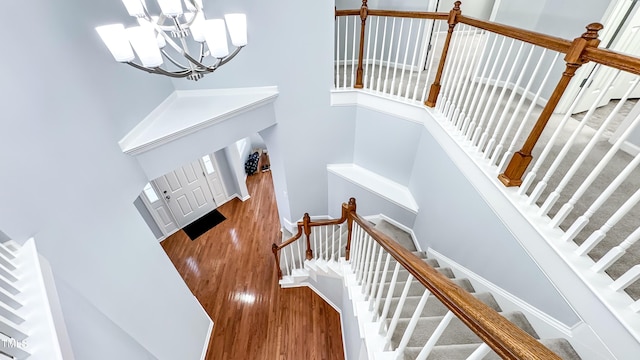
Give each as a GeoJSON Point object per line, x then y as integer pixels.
{"type": "Point", "coordinates": [433, 306]}
{"type": "Point", "coordinates": [400, 236]}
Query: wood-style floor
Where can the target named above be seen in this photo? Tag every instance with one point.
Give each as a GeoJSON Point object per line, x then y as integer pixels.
{"type": "Point", "coordinates": [230, 269]}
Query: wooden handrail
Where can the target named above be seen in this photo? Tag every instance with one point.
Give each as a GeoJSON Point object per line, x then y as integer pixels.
{"type": "Point", "coordinates": [505, 338]}
{"type": "Point", "coordinates": [613, 59]}
{"type": "Point", "coordinates": [394, 13]}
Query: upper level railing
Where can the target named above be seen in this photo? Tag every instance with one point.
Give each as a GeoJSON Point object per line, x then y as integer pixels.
{"type": "Point", "coordinates": [496, 89]}
{"type": "Point", "coordinates": [371, 249]}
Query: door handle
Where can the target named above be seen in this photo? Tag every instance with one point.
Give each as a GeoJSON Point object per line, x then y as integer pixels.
{"type": "Point", "coordinates": [168, 197]}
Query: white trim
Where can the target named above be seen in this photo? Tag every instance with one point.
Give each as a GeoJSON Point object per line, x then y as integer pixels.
{"type": "Point", "coordinates": [208, 339]}
{"type": "Point", "coordinates": [336, 308]}
{"type": "Point", "coordinates": [403, 228]}
{"type": "Point", "coordinates": [630, 148]}
{"type": "Point", "coordinates": [168, 235]}
{"type": "Point", "coordinates": [380, 102]}
{"type": "Point", "coordinates": [133, 143]}
{"type": "Point", "coordinates": [379, 185]}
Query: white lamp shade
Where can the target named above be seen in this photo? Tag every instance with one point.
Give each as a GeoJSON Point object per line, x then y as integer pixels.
{"type": "Point", "coordinates": [115, 38]}
{"type": "Point", "coordinates": [134, 7]}
{"type": "Point", "coordinates": [216, 36]}
{"type": "Point", "coordinates": [170, 7]}
{"type": "Point", "coordinates": [190, 6]}
{"type": "Point", "coordinates": [144, 42]}
{"type": "Point", "coordinates": [159, 38]}
{"type": "Point", "coordinates": [237, 24]}
{"type": "Point", "coordinates": [197, 28]}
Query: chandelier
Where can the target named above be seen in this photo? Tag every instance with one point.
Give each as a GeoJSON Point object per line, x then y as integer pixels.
{"type": "Point", "coordinates": [187, 33]}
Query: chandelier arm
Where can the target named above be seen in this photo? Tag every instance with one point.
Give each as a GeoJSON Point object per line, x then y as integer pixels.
{"type": "Point", "coordinates": [173, 61]}
{"type": "Point", "coordinates": [202, 53]}
{"type": "Point", "coordinates": [177, 75]}
{"type": "Point", "coordinates": [143, 68]}
{"type": "Point", "coordinates": [229, 57]}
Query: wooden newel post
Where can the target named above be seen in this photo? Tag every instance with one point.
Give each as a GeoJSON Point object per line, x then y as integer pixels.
{"type": "Point", "coordinates": [351, 210]}
{"type": "Point", "coordinates": [306, 219]}
{"type": "Point", "coordinates": [364, 11]}
{"type": "Point", "coordinates": [435, 87]}
{"type": "Point", "coordinates": [274, 249]}
{"type": "Point", "coordinates": [512, 175]}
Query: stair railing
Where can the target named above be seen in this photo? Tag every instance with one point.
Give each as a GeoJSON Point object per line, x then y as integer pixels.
{"type": "Point", "coordinates": [370, 263]}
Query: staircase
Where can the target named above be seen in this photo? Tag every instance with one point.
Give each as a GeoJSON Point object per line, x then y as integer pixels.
{"type": "Point", "coordinates": [399, 318]}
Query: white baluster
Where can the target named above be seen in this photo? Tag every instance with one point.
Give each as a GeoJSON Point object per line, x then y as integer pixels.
{"type": "Point", "coordinates": [596, 237]}
{"type": "Point", "coordinates": [542, 184]}
{"type": "Point", "coordinates": [386, 77]}
{"type": "Point", "coordinates": [489, 103]}
{"type": "Point", "coordinates": [375, 51]}
{"type": "Point", "coordinates": [406, 55]}
{"type": "Point", "coordinates": [396, 314]}
{"type": "Point", "coordinates": [371, 290]}
{"type": "Point", "coordinates": [413, 60]}
{"type": "Point", "coordinates": [286, 261]}
{"type": "Point", "coordinates": [380, 65]}
{"type": "Point", "coordinates": [616, 253]}
{"type": "Point", "coordinates": [451, 71]}
{"type": "Point", "coordinates": [626, 279]}
{"type": "Point", "coordinates": [395, 66]}
{"type": "Point", "coordinates": [337, 53]}
{"type": "Point", "coordinates": [293, 257]}
{"type": "Point", "coordinates": [516, 112]}
{"type": "Point", "coordinates": [413, 322]}
{"type": "Point", "coordinates": [567, 207]}
{"type": "Point", "coordinates": [300, 253]}
{"type": "Point", "coordinates": [507, 107]}
{"type": "Point", "coordinates": [479, 353]}
{"type": "Point", "coordinates": [507, 155]}
{"type": "Point", "coordinates": [353, 52]}
{"type": "Point", "coordinates": [428, 80]}
{"type": "Point", "coordinates": [367, 262]}
{"type": "Point", "coordinates": [375, 304]}
{"type": "Point", "coordinates": [364, 239]}
{"type": "Point", "coordinates": [326, 241]}
{"type": "Point", "coordinates": [494, 113]}
{"type": "Point", "coordinates": [340, 242]}
{"type": "Point", "coordinates": [472, 73]}
{"type": "Point", "coordinates": [346, 51]}
{"type": "Point", "coordinates": [333, 243]}
{"type": "Point", "coordinates": [367, 60]}
{"type": "Point", "coordinates": [482, 103]}
{"type": "Point", "coordinates": [456, 83]}
{"type": "Point", "coordinates": [431, 343]}
{"type": "Point", "coordinates": [355, 238]}
{"type": "Point", "coordinates": [370, 271]}
{"type": "Point", "coordinates": [387, 301]}
{"type": "Point", "coordinates": [316, 249]}
{"type": "Point", "coordinates": [528, 180]}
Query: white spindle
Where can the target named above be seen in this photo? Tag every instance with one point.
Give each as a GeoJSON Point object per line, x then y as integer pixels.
{"type": "Point", "coordinates": [364, 240]}
{"type": "Point", "coordinates": [516, 112]}
{"type": "Point", "coordinates": [375, 304]}
{"type": "Point", "coordinates": [387, 301]}
{"type": "Point", "coordinates": [428, 80]}
{"type": "Point", "coordinates": [375, 56]}
{"type": "Point", "coordinates": [454, 51]}
{"type": "Point", "coordinates": [406, 55]}
{"type": "Point", "coordinates": [583, 220]}
{"type": "Point", "coordinates": [355, 242]}
{"type": "Point", "coordinates": [542, 184]}
{"type": "Point", "coordinates": [467, 63]}
{"type": "Point", "coordinates": [371, 270]}
{"type": "Point", "coordinates": [286, 261]}
{"type": "Point", "coordinates": [371, 291]}
{"type": "Point", "coordinates": [326, 242]}
{"type": "Point", "coordinates": [566, 208]}
{"type": "Point", "coordinates": [337, 53]}
{"type": "Point", "coordinates": [396, 314]}
{"type": "Point", "coordinates": [472, 80]}
{"type": "Point", "coordinates": [381, 63]}
{"type": "Point", "coordinates": [293, 257]}
{"type": "Point", "coordinates": [367, 261]}
{"type": "Point", "coordinates": [489, 103]}
{"type": "Point", "coordinates": [596, 237]}
{"type": "Point", "coordinates": [616, 253]}
{"type": "Point", "coordinates": [15, 351]}
{"type": "Point", "coordinates": [413, 60]}
{"type": "Point", "coordinates": [300, 254]}
{"type": "Point", "coordinates": [353, 52]}
{"type": "Point", "coordinates": [333, 242]}
{"type": "Point", "coordinates": [428, 347]}
{"type": "Point", "coordinates": [10, 300]}
{"type": "Point", "coordinates": [528, 180]}
{"type": "Point", "coordinates": [316, 249]}
{"type": "Point", "coordinates": [507, 155]}
{"type": "Point", "coordinates": [367, 60]}
{"type": "Point", "coordinates": [462, 58]}
{"type": "Point", "coordinates": [479, 353]}
{"type": "Point", "coordinates": [496, 106]}
{"type": "Point", "coordinates": [470, 77]}
{"type": "Point", "coordinates": [413, 322]}
{"type": "Point", "coordinates": [482, 103]}
{"type": "Point", "coordinates": [346, 51]}
{"type": "Point", "coordinates": [507, 107]}
{"type": "Point", "coordinates": [386, 76]}
{"type": "Point", "coordinates": [340, 242]}
{"type": "Point", "coordinates": [11, 314]}
{"type": "Point", "coordinates": [626, 279]}
{"type": "Point", "coordinates": [397, 58]}
{"type": "Point", "coordinates": [8, 285]}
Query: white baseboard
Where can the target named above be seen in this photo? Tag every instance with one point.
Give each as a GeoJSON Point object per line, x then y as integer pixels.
{"type": "Point", "coordinates": [208, 339]}
{"type": "Point", "coordinates": [582, 338]}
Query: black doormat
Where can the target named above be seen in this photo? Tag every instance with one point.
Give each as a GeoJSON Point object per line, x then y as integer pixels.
{"type": "Point", "coordinates": [203, 224]}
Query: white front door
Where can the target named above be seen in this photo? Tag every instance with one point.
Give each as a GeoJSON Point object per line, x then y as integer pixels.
{"type": "Point", "coordinates": [213, 176]}
{"type": "Point", "coordinates": [186, 192]}
{"type": "Point", "coordinates": [158, 210]}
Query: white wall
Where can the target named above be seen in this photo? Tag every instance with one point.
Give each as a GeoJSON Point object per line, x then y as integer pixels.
{"type": "Point", "coordinates": [67, 183]}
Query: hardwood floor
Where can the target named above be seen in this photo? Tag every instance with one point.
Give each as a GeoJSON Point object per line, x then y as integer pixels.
{"type": "Point", "coordinates": [230, 269]}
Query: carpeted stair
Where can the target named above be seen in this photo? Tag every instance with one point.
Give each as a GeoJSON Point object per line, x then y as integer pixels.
{"type": "Point", "coordinates": [457, 341]}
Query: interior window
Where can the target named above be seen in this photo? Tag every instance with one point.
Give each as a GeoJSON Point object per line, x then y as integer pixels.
{"type": "Point", "coordinates": [150, 193]}
{"type": "Point", "coordinates": [208, 165]}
